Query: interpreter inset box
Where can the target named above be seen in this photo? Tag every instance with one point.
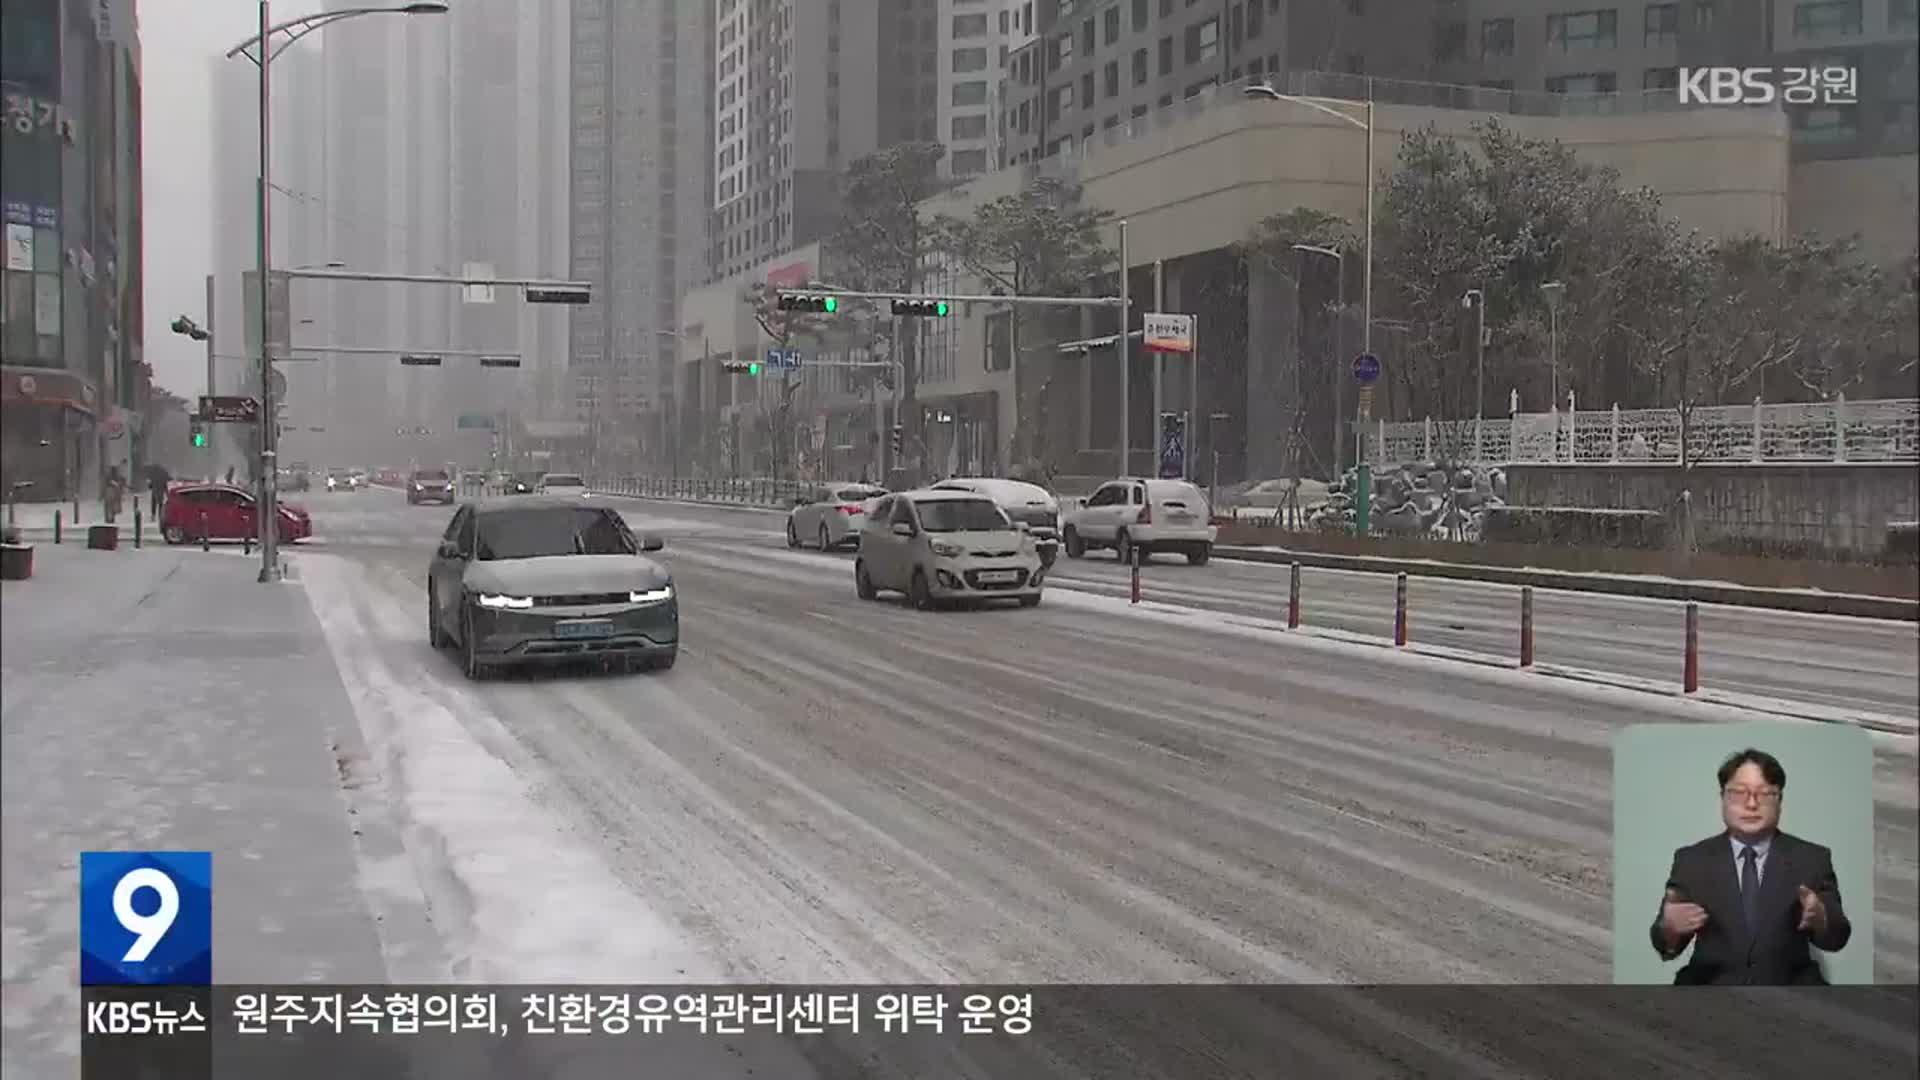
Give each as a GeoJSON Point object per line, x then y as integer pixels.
{"type": "Point", "coordinates": [1743, 854]}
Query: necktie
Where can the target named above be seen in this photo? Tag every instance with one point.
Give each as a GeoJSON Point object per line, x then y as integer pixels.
{"type": "Point", "coordinates": [1750, 886]}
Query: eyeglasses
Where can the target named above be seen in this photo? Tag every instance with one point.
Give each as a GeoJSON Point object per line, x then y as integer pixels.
{"type": "Point", "coordinates": [1742, 795]}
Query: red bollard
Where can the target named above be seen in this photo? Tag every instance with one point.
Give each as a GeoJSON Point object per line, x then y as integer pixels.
{"type": "Point", "coordinates": [1136, 575]}
{"type": "Point", "coordinates": [1526, 626]}
{"type": "Point", "coordinates": [1690, 679]}
{"type": "Point", "coordinates": [1400, 610]}
{"type": "Point", "coordinates": [1293, 598]}
{"type": "Point", "coordinates": [206, 538]}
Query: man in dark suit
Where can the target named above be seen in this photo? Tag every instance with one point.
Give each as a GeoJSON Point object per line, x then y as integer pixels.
{"type": "Point", "coordinates": [1753, 901]}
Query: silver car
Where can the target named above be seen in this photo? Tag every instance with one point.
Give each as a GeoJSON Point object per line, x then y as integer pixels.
{"type": "Point", "coordinates": [940, 546]}
{"type": "Point", "coordinates": [543, 579]}
{"type": "Point", "coordinates": [831, 515]}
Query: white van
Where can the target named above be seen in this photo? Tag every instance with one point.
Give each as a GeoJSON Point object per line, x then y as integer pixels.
{"type": "Point", "coordinates": [1024, 503]}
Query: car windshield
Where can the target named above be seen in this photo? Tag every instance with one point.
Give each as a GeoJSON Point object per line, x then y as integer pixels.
{"type": "Point", "coordinates": [432, 476]}
{"type": "Point", "coordinates": [857, 494]}
{"type": "Point", "coordinates": [961, 515]}
{"type": "Point", "coordinates": [533, 534]}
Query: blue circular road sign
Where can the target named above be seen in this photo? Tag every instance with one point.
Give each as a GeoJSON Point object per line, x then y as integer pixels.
{"type": "Point", "coordinates": [1366, 369]}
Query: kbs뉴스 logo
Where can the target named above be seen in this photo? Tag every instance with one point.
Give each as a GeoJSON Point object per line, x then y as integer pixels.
{"type": "Point", "coordinates": [146, 918]}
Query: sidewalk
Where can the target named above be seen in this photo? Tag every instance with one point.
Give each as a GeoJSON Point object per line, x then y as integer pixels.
{"type": "Point", "coordinates": [161, 699]}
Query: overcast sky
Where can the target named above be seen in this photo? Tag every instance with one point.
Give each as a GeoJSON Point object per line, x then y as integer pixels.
{"type": "Point", "coordinates": [177, 40]}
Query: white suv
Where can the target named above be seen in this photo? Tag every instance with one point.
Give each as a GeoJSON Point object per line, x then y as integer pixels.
{"type": "Point", "coordinates": [1147, 515]}
{"type": "Point", "coordinates": [946, 545]}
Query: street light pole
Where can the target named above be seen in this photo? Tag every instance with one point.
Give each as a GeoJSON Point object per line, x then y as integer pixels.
{"type": "Point", "coordinates": [267, 522]}
{"type": "Point", "coordinates": [1554, 291]}
{"type": "Point", "coordinates": [1126, 360]}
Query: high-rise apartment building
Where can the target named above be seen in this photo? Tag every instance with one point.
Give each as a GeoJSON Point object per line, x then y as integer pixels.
{"type": "Point", "coordinates": [802, 91]}
{"type": "Point", "coordinates": [638, 136]}
{"type": "Point", "coordinates": [976, 39]}
{"type": "Point", "coordinates": [1585, 46]}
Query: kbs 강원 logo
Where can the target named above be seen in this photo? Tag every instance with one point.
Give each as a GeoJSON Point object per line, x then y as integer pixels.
{"type": "Point", "coordinates": [146, 918]}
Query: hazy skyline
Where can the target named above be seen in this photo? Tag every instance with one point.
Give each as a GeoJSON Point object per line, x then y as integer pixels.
{"type": "Point", "coordinates": [178, 38]}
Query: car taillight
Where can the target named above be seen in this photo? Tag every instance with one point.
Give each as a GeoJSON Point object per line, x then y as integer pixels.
{"type": "Point", "coordinates": [1146, 515]}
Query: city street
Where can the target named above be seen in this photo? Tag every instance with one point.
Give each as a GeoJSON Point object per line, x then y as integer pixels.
{"type": "Point", "coordinates": [827, 789]}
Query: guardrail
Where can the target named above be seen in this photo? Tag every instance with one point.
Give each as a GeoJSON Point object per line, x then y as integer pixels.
{"type": "Point", "coordinates": [738, 491]}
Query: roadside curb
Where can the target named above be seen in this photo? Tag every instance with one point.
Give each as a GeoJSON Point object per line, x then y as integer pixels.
{"type": "Point", "coordinates": [1707, 592]}
{"type": "Point", "coordinates": [1853, 605]}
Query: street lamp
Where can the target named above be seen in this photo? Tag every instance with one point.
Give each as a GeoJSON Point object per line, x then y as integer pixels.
{"type": "Point", "coordinates": [1554, 292]}
{"type": "Point", "coordinates": [1339, 346]}
{"type": "Point", "coordinates": [1266, 92]}
{"type": "Point", "coordinates": [261, 50]}
{"type": "Point", "coordinates": [1476, 301]}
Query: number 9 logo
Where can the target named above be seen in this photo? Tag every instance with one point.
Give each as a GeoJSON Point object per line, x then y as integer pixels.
{"type": "Point", "coordinates": [147, 930]}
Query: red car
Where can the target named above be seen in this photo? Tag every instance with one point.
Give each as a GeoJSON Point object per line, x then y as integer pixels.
{"type": "Point", "coordinates": [223, 512]}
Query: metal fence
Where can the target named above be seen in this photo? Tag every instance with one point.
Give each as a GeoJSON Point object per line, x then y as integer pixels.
{"type": "Point", "coordinates": [1826, 431]}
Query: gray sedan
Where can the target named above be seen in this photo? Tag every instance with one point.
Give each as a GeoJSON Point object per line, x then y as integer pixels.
{"type": "Point", "coordinates": [549, 579]}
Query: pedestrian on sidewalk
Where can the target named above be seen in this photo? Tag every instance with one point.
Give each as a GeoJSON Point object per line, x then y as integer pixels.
{"type": "Point", "coordinates": [115, 490]}
{"type": "Point", "coordinates": [158, 478]}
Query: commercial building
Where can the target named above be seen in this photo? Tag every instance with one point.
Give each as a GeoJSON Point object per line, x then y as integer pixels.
{"type": "Point", "coordinates": [73, 378]}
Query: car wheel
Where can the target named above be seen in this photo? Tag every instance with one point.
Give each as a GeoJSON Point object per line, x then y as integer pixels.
{"type": "Point", "coordinates": [863, 582]}
{"type": "Point", "coordinates": [174, 534]}
{"type": "Point", "coordinates": [1076, 547]}
{"type": "Point", "coordinates": [1199, 555]}
{"type": "Point", "coordinates": [826, 539]}
{"type": "Point", "coordinates": [919, 594]}
{"type": "Point", "coordinates": [1030, 601]}
{"type": "Point", "coordinates": [470, 660]}
{"type": "Point", "coordinates": [434, 637]}
{"type": "Point", "coordinates": [793, 538]}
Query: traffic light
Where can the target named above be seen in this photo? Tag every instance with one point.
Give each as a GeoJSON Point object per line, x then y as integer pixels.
{"type": "Point", "coordinates": [740, 367]}
{"type": "Point", "coordinates": [899, 438]}
{"type": "Point", "coordinates": [802, 301]}
{"type": "Point", "coordinates": [189, 328]}
{"type": "Point", "coordinates": [199, 431]}
{"type": "Point", "coordinates": [921, 308]}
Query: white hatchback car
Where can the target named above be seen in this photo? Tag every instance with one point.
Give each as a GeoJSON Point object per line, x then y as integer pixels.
{"type": "Point", "coordinates": [940, 546]}
{"type": "Point", "coordinates": [831, 515]}
{"type": "Point", "coordinates": [1145, 515]}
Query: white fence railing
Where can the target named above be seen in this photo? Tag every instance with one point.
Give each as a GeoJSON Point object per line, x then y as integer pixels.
{"type": "Point", "coordinates": [1825, 431]}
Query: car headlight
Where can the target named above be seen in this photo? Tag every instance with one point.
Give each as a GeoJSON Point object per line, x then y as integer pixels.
{"type": "Point", "coordinates": [501, 601]}
{"type": "Point", "coordinates": [651, 596]}
{"type": "Point", "coordinates": [947, 551]}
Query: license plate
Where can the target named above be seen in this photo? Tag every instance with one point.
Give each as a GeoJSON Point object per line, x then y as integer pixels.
{"type": "Point", "coordinates": [584, 628]}
{"type": "Point", "coordinates": [1179, 516]}
{"type": "Point", "coordinates": [998, 577]}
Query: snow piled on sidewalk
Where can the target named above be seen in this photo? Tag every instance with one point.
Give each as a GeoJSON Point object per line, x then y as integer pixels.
{"type": "Point", "coordinates": [518, 896]}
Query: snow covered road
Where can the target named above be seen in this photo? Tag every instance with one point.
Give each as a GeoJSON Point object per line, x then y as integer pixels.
{"type": "Point", "coordinates": [831, 790]}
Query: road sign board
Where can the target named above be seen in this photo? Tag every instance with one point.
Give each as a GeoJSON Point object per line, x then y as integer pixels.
{"type": "Point", "coordinates": [783, 358]}
{"type": "Point", "coordinates": [279, 311]}
{"type": "Point", "coordinates": [1167, 333]}
{"type": "Point", "coordinates": [499, 361]}
{"type": "Point", "coordinates": [1366, 402]}
{"type": "Point", "coordinates": [229, 409]}
{"type": "Point", "coordinates": [1366, 369]}
{"type": "Point", "coordinates": [419, 360]}
{"type": "Point", "coordinates": [475, 421]}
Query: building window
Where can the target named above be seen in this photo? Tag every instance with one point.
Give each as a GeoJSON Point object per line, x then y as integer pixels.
{"type": "Point", "coordinates": [1584, 30]}
{"type": "Point", "coordinates": [970, 93]}
{"type": "Point", "coordinates": [1496, 37]}
{"type": "Point", "coordinates": [969, 60]}
{"type": "Point", "coordinates": [1061, 53]}
{"type": "Point", "coordinates": [1139, 67]}
{"type": "Point", "coordinates": [1111, 25]}
{"type": "Point", "coordinates": [1663, 24]}
{"type": "Point", "coordinates": [1139, 15]}
{"type": "Point", "coordinates": [1203, 41]}
{"type": "Point", "coordinates": [1903, 16]}
{"type": "Point", "coordinates": [966, 26]}
{"type": "Point", "coordinates": [1664, 79]}
{"type": "Point", "coordinates": [969, 162]}
{"type": "Point", "coordinates": [970, 127]}
{"type": "Point", "coordinates": [1112, 78]}
{"type": "Point", "coordinates": [1086, 90]}
{"type": "Point", "coordinates": [1704, 14]}
{"type": "Point", "coordinates": [1166, 56]}
{"type": "Point", "coordinates": [1819, 19]}
{"type": "Point", "coordinates": [1451, 43]}
{"type": "Point", "coordinates": [1602, 82]}
{"type": "Point", "coordinates": [1830, 125]}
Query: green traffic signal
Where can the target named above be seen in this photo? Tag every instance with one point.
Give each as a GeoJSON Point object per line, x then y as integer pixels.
{"type": "Point", "coordinates": [832, 304]}
{"type": "Point", "coordinates": [940, 309]}
{"type": "Point", "coordinates": [199, 438]}
{"type": "Point", "coordinates": [753, 369]}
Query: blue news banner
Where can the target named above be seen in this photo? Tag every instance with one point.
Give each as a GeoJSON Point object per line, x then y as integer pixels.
{"type": "Point", "coordinates": [151, 1010]}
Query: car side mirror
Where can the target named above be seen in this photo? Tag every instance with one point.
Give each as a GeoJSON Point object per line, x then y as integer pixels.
{"type": "Point", "coordinates": [901, 528]}
{"type": "Point", "coordinates": [449, 549]}
{"type": "Point", "coordinates": [652, 543]}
